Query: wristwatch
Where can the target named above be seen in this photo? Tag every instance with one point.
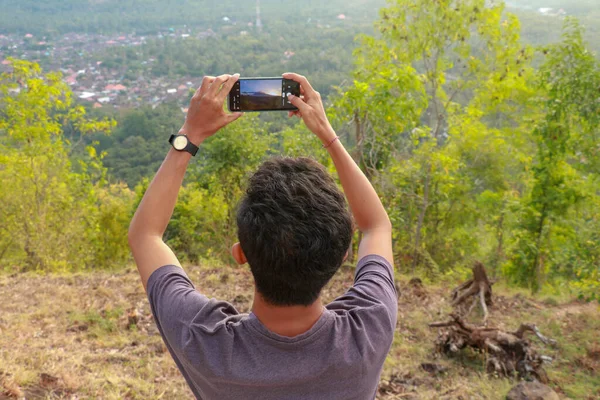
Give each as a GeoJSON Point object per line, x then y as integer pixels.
{"type": "Point", "coordinates": [182, 143]}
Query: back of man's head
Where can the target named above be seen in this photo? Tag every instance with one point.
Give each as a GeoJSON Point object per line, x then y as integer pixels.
{"type": "Point", "coordinates": [294, 228]}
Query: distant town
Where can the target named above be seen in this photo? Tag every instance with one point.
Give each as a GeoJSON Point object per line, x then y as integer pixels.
{"type": "Point", "coordinates": [74, 55]}
{"type": "Point", "coordinates": [78, 56]}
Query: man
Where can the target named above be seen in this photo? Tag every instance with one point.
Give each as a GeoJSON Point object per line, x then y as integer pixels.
{"type": "Point", "coordinates": [294, 231]}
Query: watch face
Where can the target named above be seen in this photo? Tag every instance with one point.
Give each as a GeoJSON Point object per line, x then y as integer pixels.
{"type": "Point", "coordinates": [180, 142]}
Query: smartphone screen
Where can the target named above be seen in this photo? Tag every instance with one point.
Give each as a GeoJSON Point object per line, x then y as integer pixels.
{"type": "Point", "coordinates": [262, 94]}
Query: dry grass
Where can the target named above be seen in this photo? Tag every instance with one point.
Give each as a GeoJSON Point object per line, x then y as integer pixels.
{"type": "Point", "coordinates": [88, 336]}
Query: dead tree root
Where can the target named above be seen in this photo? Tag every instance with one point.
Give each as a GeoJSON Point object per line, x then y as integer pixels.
{"type": "Point", "coordinates": [508, 353]}
{"type": "Point", "coordinates": [477, 290]}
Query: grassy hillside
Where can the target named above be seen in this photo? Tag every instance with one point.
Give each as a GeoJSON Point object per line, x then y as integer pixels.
{"type": "Point", "coordinates": [92, 336]}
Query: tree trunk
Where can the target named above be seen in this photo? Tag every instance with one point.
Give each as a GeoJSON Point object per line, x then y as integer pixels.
{"type": "Point", "coordinates": [421, 219]}
{"type": "Point", "coordinates": [500, 247]}
{"type": "Point", "coordinates": [477, 290]}
{"type": "Point", "coordinates": [537, 262]}
{"type": "Point", "coordinates": [358, 138]}
{"type": "Point", "coordinates": [5, 249]}
{"type": "Point", "coordinates": [357, 155]}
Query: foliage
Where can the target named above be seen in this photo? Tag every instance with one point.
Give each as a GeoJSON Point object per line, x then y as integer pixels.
{"type": "Point", "coordinates": [569, 80]}
{"type": "Point", "coordinates": [476, 154]}
{"type": "Point", "coordinates": [50, 216]}
{"type": "Point", "coordinates": [109, 239]}
{"type": "Point", "coordinates": [419, 108]}
{"type": "Point", "coordinates": [198, 224]}
{"type": "Point", "coordinates": [480, 147]}
{"type": "Point", "coordinates": [139, 143]}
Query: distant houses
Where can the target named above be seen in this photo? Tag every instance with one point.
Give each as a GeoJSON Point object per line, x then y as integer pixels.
{"type": "Point", "coordinates": [102, 83]}
{"type": "Point", "coordinates": [115, 88]}
{"type": "Point", "coordinates": [87, 95]}
{"type": "Point", "coordinates": [551, 12]}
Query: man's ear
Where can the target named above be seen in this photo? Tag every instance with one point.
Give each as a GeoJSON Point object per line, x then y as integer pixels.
{"type": "Point", "coordinates": [238, 254]}
{"type": "Point", "coordinates": [346, 256]}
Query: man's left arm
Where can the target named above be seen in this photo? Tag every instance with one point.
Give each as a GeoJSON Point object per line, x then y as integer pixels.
{"type": "Point", "coordinates": [205, 117]}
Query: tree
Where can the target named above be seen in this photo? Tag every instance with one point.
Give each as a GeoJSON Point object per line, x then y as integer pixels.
{"type": "Point", "coordinates": [48, 210]}
{"type": "Point", "coordinates": [444, 80]}
{"type": "Point", "coordinates": [569, 81]}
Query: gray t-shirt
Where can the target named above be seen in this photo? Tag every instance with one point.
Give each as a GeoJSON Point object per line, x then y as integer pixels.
{"type": "Point", "coordinates": [227, 355]}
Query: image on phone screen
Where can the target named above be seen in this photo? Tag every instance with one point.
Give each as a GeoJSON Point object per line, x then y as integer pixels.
{"type": "Point", "coordinates": [262, 94]}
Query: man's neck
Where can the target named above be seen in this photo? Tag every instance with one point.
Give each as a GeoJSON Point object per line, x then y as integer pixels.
{"type": "Point", "coordinates": [286, 320]}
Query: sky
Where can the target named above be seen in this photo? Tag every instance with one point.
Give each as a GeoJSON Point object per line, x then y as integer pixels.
{"type": "Point", "coordinates": [270, 87]}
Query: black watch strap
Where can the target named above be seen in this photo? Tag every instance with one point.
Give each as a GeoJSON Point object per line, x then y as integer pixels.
{"type": "Point", "coordinates": [190, 148]}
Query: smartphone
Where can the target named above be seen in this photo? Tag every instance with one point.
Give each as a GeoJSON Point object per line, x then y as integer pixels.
{"type": "Point", "coordinates": [263, 94]}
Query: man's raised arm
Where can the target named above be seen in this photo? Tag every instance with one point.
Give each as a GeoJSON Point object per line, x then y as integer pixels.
{"type": "Point", "coordinates": [369, 214]}
{"type": "Point", "coordinates": [205, 117]}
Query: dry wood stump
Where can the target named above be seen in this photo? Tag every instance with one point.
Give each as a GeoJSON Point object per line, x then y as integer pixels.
{"type": "Point", "coordinates": [476, 290]}
{"type": "Point", "coordinates": [508, 353]}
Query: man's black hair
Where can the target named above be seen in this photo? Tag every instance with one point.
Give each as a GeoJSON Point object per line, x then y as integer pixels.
{"type": "Point", "coordinates": [294, 228]}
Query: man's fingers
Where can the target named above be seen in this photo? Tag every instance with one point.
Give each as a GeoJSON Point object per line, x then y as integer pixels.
{"type": "Point", "coordinates": [298, 103]}
{"type": "Point", "coordinates": [298, 78]}
{"type": "Point", "coordinates": [217, 83]}
{"type": "Point", "coordinates": [206, 82]}
{"type": "Point", "coordinates": [227, 86]}
{"type": "Point", "coordinates": [304, 84]}
{"type": "Point", "coordinates": [233, 116]}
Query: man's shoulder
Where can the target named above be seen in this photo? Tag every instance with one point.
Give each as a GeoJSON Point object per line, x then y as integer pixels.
{"type": "Point", "coordinates": [374, 264]}
{"type": "Point", "coordinates": [373, 295]}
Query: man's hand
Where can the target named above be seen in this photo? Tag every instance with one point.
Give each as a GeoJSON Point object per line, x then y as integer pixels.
{"type": "Point", "coordinates": [310, 109]}
{"type": "Point", "coordinates": [206, 114]}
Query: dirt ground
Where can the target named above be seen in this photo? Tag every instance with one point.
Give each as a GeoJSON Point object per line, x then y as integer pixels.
{"type": "Point", "coordinates": [91, 336]}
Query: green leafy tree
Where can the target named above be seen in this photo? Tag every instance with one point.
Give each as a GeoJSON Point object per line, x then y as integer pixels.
{"type": "Point", "coordinates": [442, 82]}
{"type": "Point", "coordinates": [569, 80]}
{"type": "Point", "coordinates": [48, 207]}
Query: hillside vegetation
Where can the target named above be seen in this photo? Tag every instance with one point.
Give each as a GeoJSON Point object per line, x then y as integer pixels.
{"type": "Point", "coordinates": [476, 153]}
{"type": "Point", "coordinates": [92, 336]}
{"type": "Point", "coordinates": [481, 147]}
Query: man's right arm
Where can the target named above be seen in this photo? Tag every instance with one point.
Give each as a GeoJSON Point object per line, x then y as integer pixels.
{"type": "Point", "coordinates": [369, 214]}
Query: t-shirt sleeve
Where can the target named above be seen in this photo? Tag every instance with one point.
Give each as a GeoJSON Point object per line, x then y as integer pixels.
{"type": "Point", "coordinates": [177, 306]}
{"type": "Point", "coordinates": [373, 288]}
{"type": "Point", "coordinates": [375, 275]}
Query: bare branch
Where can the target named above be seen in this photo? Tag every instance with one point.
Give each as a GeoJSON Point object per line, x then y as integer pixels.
{"type": "Point", "coordinates": [471, 308]}
{"type": "Point", "coordinates": [534, 329]}
{"type": "Point", "coordinates": [442, 324]}
{"type": "Point", "coordinates": [490, 345]}
{"type": "Point", "coordinates": [472, 290]}
{"type": "Point", "coordinates": [482, 301]}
